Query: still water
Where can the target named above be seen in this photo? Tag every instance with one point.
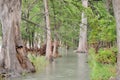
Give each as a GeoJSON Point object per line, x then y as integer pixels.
{"type": "Point", "coordinates": [71, 66]}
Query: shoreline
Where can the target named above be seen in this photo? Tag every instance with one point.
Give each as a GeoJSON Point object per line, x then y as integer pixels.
{"type": "Point", "coordinates": [0, 43]}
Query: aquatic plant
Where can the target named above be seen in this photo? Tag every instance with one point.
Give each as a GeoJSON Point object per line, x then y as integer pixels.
{"type": "Point", "coordinates": [38, 61]}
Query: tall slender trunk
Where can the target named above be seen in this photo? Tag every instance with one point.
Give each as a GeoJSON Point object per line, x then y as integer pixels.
{"type": "Point", "coordinates": [116, 7]}
{"type": "Point", "coordinates": [47, 20]}
{"type": "Point", "coordinates": [13, 57]}
{"type": "Point", "coordinates": [55, 48]}
{"type": "Point", "coordinates": [55, 43]}
{"type": "Point", "coordinates": [82, 47]}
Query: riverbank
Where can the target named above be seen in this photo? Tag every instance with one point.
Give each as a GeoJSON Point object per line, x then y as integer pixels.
{"type": "Point", "coordinates": [0, 43]}
{"type": "Point", "coordinates": [102, 64]}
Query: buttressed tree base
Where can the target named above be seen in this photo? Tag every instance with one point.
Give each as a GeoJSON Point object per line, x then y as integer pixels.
{"type": "Point", "coordinates": [13, 59]}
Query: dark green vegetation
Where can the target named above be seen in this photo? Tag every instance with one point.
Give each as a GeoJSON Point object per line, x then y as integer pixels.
{"type": "Point", "coordinates": [102, 37]}
{"type": "Point", "coordinates": [65, 18]}
{"type": "Point", "coordinates": [103, 64]}
{"type": "Point", "coordinates": [39, 61]}
{"type": "Point", "coordinates": [101, 24]}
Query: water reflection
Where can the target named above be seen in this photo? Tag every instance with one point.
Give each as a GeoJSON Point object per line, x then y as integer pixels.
{"type": "Point", "coordinates": [70, 67]}
{"type": "Point", "coordinates": [83, 67]}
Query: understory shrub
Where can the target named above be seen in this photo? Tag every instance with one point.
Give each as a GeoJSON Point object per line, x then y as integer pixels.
{"type": "Point", "coordinates": [102, 72]}
{"type": "Point", "coordinates": [38, 61]}
{"type": "Point", "coordinates": [106, 56]}
{"type": "Point", "coordinates": [99, 70]}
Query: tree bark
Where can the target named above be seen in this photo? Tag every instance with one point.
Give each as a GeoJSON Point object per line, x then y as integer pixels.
{"type": "Point", "coordinates": [108, 3]}
{"type": "Point", "coordinates": [82, 47]}
{"type": "Point", "coordinates": [12, 46]}
{"type": "Point", "coordinates": [55, 48]}
{"type": "Point", "coordinates": [47, 21]}
{"type": "Point", "coordinates": [116, 7]}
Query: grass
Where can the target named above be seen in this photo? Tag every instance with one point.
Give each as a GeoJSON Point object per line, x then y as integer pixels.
{"type": "Point", "coordinates": [1, 77]}
{"type": "Point", "coordinates": [100, 71]}
{"type": "Point", "coordinates": [38, 61]}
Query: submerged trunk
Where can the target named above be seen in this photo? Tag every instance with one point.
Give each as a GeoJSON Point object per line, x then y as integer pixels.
{"type": "Point", "coordinates": [55, 48]}
{"type": "Point", "coordinates": [47, 21]}
{"type": "Point", "coordinates": [116, 7]}
{"type": "Point", "coordinates": [82, 47]}
{"type": "Point", "coordinates": [12, 53]}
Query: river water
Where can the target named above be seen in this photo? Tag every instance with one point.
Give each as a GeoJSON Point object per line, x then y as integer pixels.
{"type": "Point", "coordinates": [71, 66]}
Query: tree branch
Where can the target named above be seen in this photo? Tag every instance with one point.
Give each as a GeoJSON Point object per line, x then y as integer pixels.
{"type": "Point", "coordinates": [30, 22]}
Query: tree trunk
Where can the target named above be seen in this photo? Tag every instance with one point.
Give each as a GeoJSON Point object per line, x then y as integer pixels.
{"type": "Point", "coordinates": [82, 47]}
{"type": "Point", "coordinates": [55, 48]}
{"type": "Point", "coordinates": [47, 21]}
{"type": "Point", "coordinates": [12, 46]}
{"type": "Point", "coordinates": [108, 3]}
{"type": "Point", "coordinates": [116, 6]}
{"type": "Point", "coordinates": [55, 43]}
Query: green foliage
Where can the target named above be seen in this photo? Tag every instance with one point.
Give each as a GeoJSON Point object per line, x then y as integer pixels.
{"type": "Point", "coordinates": [100, 71]}
{"type": "Point", "coordinates": [33, 22]}
{"type": "Point", "coordinates": [106, 56]}
{"type": "Point", "coordinates": [114, 50]}
{"type": "Point", "coordinates": [101, 23]}
{"type": "Point", "coordinates": [91, 57]}
{"type": "Point", "coordinates": [66, 16]}
{"type": "Point", "coordinates": [38, 61]}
